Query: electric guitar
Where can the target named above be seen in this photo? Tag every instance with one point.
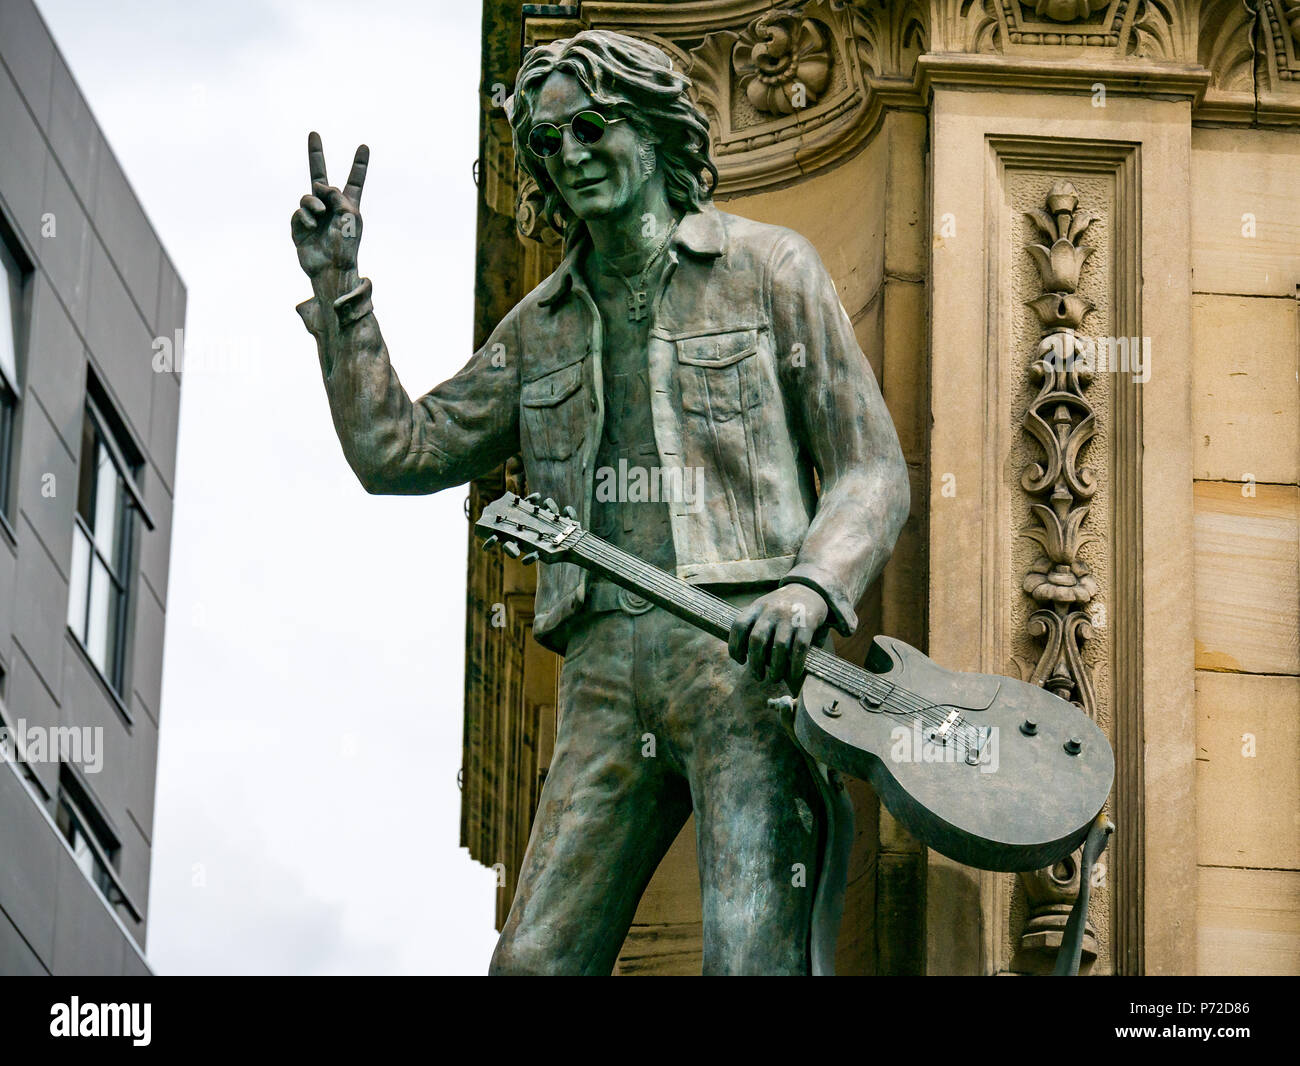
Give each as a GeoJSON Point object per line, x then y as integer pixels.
{"type": "Point", "coordinates": [991, 771]}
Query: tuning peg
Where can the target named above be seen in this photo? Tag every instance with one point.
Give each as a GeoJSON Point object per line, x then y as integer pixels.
{"type": "Point", "coordinates": [511, 549]}
{"type": "Point", "coordinates": [570, 513]}
{"type": "Point", "coordinates": [532, 497]}
{"type": "Point", "coordinates": [491, 542]}
{"type": "Point", "coordinates": [552, 506]}
{"type": "Point", "coordinates": [530, 558]}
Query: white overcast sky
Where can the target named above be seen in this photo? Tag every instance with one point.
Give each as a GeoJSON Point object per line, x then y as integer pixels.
{"type": "Point", "coordinates": [307, 815]}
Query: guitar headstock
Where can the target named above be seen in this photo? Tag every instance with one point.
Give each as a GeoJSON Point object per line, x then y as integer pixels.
{"type": "Point", "coordinates": [532, 527]}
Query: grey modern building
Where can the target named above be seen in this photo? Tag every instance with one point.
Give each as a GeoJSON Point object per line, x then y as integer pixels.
{"type": "Point", "coordinates": [87, 469]}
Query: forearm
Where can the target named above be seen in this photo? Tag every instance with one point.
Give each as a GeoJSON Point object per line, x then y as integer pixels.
{"type": "Point", "coordinates": [844, 423]}
{"type": "Point", "coordinates": [378, 425]}
{"type": "Point", "coordinates": [459, 430]}
{"type": "Point", "coordinates": [859, 517]}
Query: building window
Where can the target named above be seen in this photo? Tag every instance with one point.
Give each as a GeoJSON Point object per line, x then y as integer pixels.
{"type": "Point", "coordinates": [102, 544]}
{"type": "Point", "coordinates": [93, 843]}
{"type": "Point", "coordinates": [12, 332]}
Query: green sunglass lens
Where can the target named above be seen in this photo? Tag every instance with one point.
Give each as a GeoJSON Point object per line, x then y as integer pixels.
{"type": "Point", "coordinates": [589, 127]}
{"type": "Point", "coordinates": [545, 140]}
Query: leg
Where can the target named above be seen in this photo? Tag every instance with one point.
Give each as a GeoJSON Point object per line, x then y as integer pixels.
{"type": "Point", "coordinates": [757, 809]}
{"type": "Point", "coordinates": [605, 819]}
{"type": "Point", "coordinates": [758, 837]}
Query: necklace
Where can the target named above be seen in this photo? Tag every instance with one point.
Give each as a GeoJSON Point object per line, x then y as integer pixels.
{"type": "Point", "coordinates": [638, 301]}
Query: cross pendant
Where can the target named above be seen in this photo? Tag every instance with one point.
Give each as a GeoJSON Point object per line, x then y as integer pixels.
{"type": "Point", "coordinates": [636, 306]}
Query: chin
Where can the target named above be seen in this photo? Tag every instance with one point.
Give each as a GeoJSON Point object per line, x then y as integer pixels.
{"type": "Point", "coordinates": [595, 207]}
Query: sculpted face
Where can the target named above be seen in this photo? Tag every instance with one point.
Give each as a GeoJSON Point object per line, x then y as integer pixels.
{"type": "Point", "coordinates": [596, 180]}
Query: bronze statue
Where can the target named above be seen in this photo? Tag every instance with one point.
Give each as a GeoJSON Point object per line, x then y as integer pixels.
{"type": "Point", "coordinates": [688, 381]}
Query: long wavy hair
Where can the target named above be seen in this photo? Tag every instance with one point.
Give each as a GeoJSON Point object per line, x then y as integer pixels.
{"type": "Point", "coordinates": [629, 79]}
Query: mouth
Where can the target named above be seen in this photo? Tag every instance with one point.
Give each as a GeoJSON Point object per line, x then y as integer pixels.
{"type": "Point", "coordinates": [584, 184]}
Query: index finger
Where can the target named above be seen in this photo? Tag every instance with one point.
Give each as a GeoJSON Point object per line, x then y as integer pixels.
{"type": "Point", "coordinates": [738, 638]}
{"type": "Point", "coordinates": [316, 159]}
{"type": "Point", "coordinates": [357, 178]}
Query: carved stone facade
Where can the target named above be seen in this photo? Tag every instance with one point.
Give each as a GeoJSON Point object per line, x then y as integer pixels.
{"type": "Point", "coordinates": [1060, 487]}
{"type": "Point", "coordinates": [1014, 197]}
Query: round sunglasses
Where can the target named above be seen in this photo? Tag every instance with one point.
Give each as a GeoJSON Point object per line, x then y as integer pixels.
{"type": "Point", "coordinates": [546, 138]}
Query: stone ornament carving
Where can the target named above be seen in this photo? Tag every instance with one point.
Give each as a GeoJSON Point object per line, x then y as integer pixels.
{"type": "Point", "coordinates": [1156, 29]}
{"type": "Point", "coordinates": [806, 78]}
{"type": "Point", "coordinates": [1281, 25]}
{"type": "Point", "coordinates": [1224, 47]}
{"type": "Point", "coordinates": [1253, 56]}
{"type": "Point", "coordinates": [1065, 10]}
{"type": "Point", "coordinates": [783, 62]}
{"type": "Point", "coordinates": [529, 208]}
{"type": "Point", "coordinates": [888, 36]}
{"type": "Point", "coordinates": [1062, 421]}
{"type": "Point", "coordinates": [1291, 12]}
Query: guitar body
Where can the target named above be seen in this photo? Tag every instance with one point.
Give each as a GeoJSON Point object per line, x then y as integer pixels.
{"type": "Point", "coordinates": [1000, 787]}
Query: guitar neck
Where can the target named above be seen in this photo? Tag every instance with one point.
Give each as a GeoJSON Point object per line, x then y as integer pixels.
{"type": "Point", "coordinates": [691, 604]}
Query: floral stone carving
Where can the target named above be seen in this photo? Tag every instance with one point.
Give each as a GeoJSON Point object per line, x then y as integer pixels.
{"type": "Point", "coordinates": [783, 62]}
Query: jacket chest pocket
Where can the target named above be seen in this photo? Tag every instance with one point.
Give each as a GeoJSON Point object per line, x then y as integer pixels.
{"type": "Point", "coordinates": [551, 413]}
{"type": "Point", "coordinates": [719, 373]}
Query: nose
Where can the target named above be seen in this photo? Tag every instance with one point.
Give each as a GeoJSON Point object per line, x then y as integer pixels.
{"type": "Point", "coordinates": [573, 151]}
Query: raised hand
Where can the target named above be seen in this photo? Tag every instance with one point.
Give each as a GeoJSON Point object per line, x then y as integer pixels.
{"type": "Point", "coordinates": [327, 225]}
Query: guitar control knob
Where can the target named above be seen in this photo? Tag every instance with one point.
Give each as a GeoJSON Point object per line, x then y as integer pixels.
{"type": "Point", "coordinates": [511, 549]}
{"type": "Point", "coordinates": [1073, 746]}
{"type": "Point", "coordinates": [1029, 727]}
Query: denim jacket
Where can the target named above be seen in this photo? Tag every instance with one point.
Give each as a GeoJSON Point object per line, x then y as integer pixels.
{"type": "Point", "coordinates": [758, 389]}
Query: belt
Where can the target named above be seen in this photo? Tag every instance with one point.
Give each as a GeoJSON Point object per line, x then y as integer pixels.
{"type": "Point", "coordinates": [606, 596]}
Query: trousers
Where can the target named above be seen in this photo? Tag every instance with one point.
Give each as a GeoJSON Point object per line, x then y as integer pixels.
{"type": "Point", "coordinates": [656, 720]}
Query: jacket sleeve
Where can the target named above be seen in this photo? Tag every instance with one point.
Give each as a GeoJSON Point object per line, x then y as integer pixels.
{"type": "Point", "coordinates": [843, 424]}
{"type": "Point", "coordinates": [460, 430]}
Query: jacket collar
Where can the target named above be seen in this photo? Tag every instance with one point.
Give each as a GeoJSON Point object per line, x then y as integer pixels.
{"type": "Point", "coordinates": [701, 233]}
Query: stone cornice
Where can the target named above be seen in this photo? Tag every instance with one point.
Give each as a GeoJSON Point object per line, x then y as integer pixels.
{"type": "Point", "coordinates": [1080, 75]}
{"type": "Point", "coordinates": [682, 18]}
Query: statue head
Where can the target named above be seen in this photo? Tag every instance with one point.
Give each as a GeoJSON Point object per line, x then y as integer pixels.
{"type": "Point", "coordinates": [646, 129]}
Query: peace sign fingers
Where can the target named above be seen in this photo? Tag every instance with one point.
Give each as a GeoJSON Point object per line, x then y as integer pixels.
{"type": "Point", "coordinates": [357, 177]}
{"type": "Point", "coordinates": [316, 159]}
{"type": "Point", "coordinates": [316, 167]}
{"type": "Point", "coordinates": [326, 228]}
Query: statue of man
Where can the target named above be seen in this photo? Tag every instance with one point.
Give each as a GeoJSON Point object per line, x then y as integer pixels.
{"type": "Point", "coordinates": [689, 382]}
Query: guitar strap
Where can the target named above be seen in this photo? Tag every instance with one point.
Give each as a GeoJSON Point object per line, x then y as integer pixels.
{"type": "Point", "coordinates": [833, 867]}
{"type": "Point", "coordinates": [1071, 949]}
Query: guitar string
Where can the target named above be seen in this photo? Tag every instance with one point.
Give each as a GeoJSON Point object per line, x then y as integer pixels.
{"type": "Point", "coordinates": [721, 614]}
{"type": "Point", "coordinates": [845, 674]}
